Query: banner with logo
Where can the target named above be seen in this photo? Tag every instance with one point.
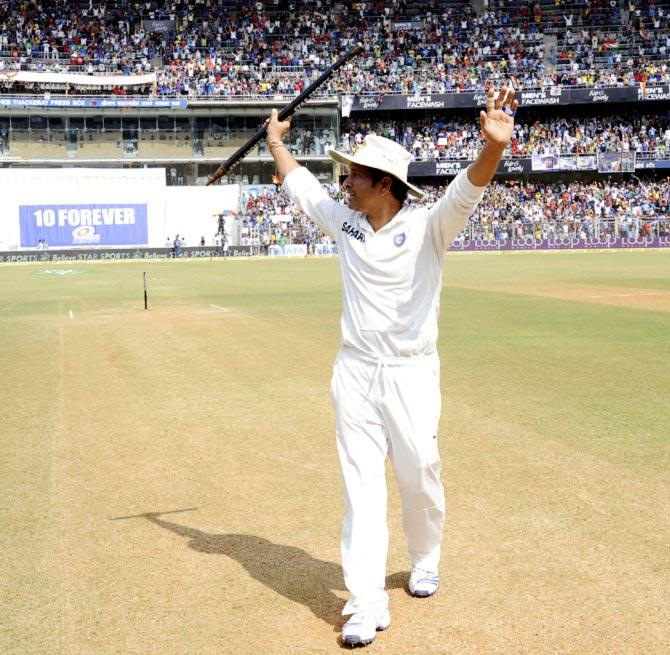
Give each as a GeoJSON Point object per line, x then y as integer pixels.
{"type": "Point", "coordinates": [560, 243]}
{"type": "Point", "coordinates": [547, 161]}
{"type": "Point", "coordinates": [508, 166]}
{"type": "Point", "coordinates": [555, 95]}
{"type": "Point", "coordinates": [577, 163]}
{"type": "Point", "coordinates": [437, 168]}
{"type": "Point", "coordinates": [653, 93]}
{"type": "Point", "coordinates": [78, 79]}
{"type": "Point", "coordinates": [440, 168]}
{"type": "Point", "coordinates": [83, 225]}
{"type": "Point", "coordinates": [616, 162]}
{"type": "Point", "coordinates": [103, 254]}
{"type": "Point", "coordinates": [93, 103]}
{"type": "Point", "coordinates": [159, 26]}
{"type": "Point", "coordinates": [325, 249]}
{"type": "Point", "coordinates": [657, 163]}
{"type": "Point", "coordinates": [541, 163]}
{"type": "Point", "coordinates": [289, 250]}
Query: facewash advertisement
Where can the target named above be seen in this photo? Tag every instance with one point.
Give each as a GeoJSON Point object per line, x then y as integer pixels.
{"type": "Point", "coordinates": [83, 225]}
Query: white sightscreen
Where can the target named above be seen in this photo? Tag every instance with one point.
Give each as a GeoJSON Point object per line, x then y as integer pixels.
{"type": "Point", "coordinates": [192, 212]}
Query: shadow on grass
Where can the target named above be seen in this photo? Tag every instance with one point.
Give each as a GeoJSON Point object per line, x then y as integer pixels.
{"type": "Point", "coordinates": [287, 570]}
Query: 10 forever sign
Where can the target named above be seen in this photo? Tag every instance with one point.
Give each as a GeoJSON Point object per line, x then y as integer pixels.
{"type": "Point", "coordinates": [83, 225]}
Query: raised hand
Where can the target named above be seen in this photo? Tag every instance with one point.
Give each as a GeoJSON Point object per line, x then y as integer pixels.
{"type": "Point", "coordinates": [276, 128]}
{"type": "Point", "coordinates": [497, 122]}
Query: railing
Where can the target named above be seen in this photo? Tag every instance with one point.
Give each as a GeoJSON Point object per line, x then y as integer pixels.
{"type": "Point", "coordinates": [285, 97]}
{"type": "Point", "coordinates": [627, 227]}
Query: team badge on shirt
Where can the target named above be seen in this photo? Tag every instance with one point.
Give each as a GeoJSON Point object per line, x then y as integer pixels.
{"type": "Point", "coordinates": [399, 239]}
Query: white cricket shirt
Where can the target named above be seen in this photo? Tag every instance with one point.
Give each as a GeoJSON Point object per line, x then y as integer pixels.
{"type": "Point", "coordinates": [392, 278]}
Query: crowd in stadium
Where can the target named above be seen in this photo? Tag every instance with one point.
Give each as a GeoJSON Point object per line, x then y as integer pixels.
{"type": "Point", "coordinates": [509, 210]}
{"type": "Point", "coordinates": [268, 48]}
{"type": "Point", "coordinates": [547, 210]}
{"type": "Point", "coordinates": [232, 49]}
{"type": "Point", "coordinates": [436, 138]}
{"type": "Point", "coordinates": [270, 218]}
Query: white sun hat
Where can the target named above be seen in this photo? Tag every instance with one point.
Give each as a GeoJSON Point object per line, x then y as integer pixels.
{"type": "Point", "coordinates": [382, 154]}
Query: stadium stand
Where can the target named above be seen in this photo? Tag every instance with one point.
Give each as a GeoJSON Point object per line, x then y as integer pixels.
{"type": "Point", "coordinates": [223, 64]}
{"type": "Point", "coordinates": [227, 49]}
{"type": "Point", "coordinates": [436, 139]}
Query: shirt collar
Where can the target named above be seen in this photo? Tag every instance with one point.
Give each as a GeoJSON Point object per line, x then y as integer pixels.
{"type": "Point", "coordinates": [363, 223]}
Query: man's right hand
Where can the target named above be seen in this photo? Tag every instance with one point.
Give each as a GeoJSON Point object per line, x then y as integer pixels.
{"type": "Point", "coordinates": [276, 128]}
{"type": "Point", "coordinates": [283, 158]}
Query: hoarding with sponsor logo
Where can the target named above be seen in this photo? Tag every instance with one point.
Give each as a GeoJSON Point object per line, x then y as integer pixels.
{"type": "Point", "coordinates": [548, 161]}
{"type": "Point", "coordinates": [108, 208]}
{"type": "Point", "coordinates": [92, 103]}
{"type": "Point", "coordinates": [555, 95]}
{"type": "Point", "coordinates": [84, 225]}
{"type": "Point", "coordinates": [616, 162]}
{"type": "Point", "coordinates": [565, 243]}
{"type": "Point", "coordinates": [542, 163]}
{"type": "Point", "coordinates": [453, 167]}
{"type": "Point", "coordinates": [652, 164]}
{"type": "Point", "coordinates": [289, 250]}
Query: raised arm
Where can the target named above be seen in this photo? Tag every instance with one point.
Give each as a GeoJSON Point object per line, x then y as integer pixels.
{"type": "Point", "coordinates": [497, 124]}
{"type": "Point", "coordinates": [284, 160]}
{"type": "Point", "coordinates": [451, 213]}
{"type": "Point", "coordinates": [300, 185]}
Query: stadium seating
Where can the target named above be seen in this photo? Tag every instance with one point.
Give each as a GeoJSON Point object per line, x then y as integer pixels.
{"type": "Point", "coordinates": [227, 50]}
{"type": "Point", "coordinates": [243, 53]}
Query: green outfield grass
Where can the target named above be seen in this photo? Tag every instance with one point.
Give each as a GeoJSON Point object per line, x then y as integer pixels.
{"type": "Point", "coordinates": [554, 436]}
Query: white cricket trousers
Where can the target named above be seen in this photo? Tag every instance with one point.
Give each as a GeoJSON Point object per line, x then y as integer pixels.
{"type": "Point", "coordinates": [387, 406]}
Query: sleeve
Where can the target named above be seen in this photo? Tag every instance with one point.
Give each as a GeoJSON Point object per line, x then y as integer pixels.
{"type": "Point", "coordinates": [310, 196]}
{"type": "Point", "coordinates": [448, 216]}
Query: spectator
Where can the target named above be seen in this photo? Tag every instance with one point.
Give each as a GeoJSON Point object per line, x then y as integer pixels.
{"type": "Point", "coordinates": [233, 52]}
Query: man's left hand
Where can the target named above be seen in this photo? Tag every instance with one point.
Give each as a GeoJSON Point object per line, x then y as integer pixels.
{"type": "Point", "coordinates": [497, 122]}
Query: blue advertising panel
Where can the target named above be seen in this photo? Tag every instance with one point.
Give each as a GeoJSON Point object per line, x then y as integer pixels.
{"type": "Point", "coordinates": [84, 225]}
{"type": "Point", "coordinates": [657, 163]}
{"type": "Point", "coordinates": [88, 103]}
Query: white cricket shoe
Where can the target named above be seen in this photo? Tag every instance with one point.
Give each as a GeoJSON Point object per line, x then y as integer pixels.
{"type": "Point", "coordinates": [361, 628]}
{"type": "Point", "coordinates": [423, 583]}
